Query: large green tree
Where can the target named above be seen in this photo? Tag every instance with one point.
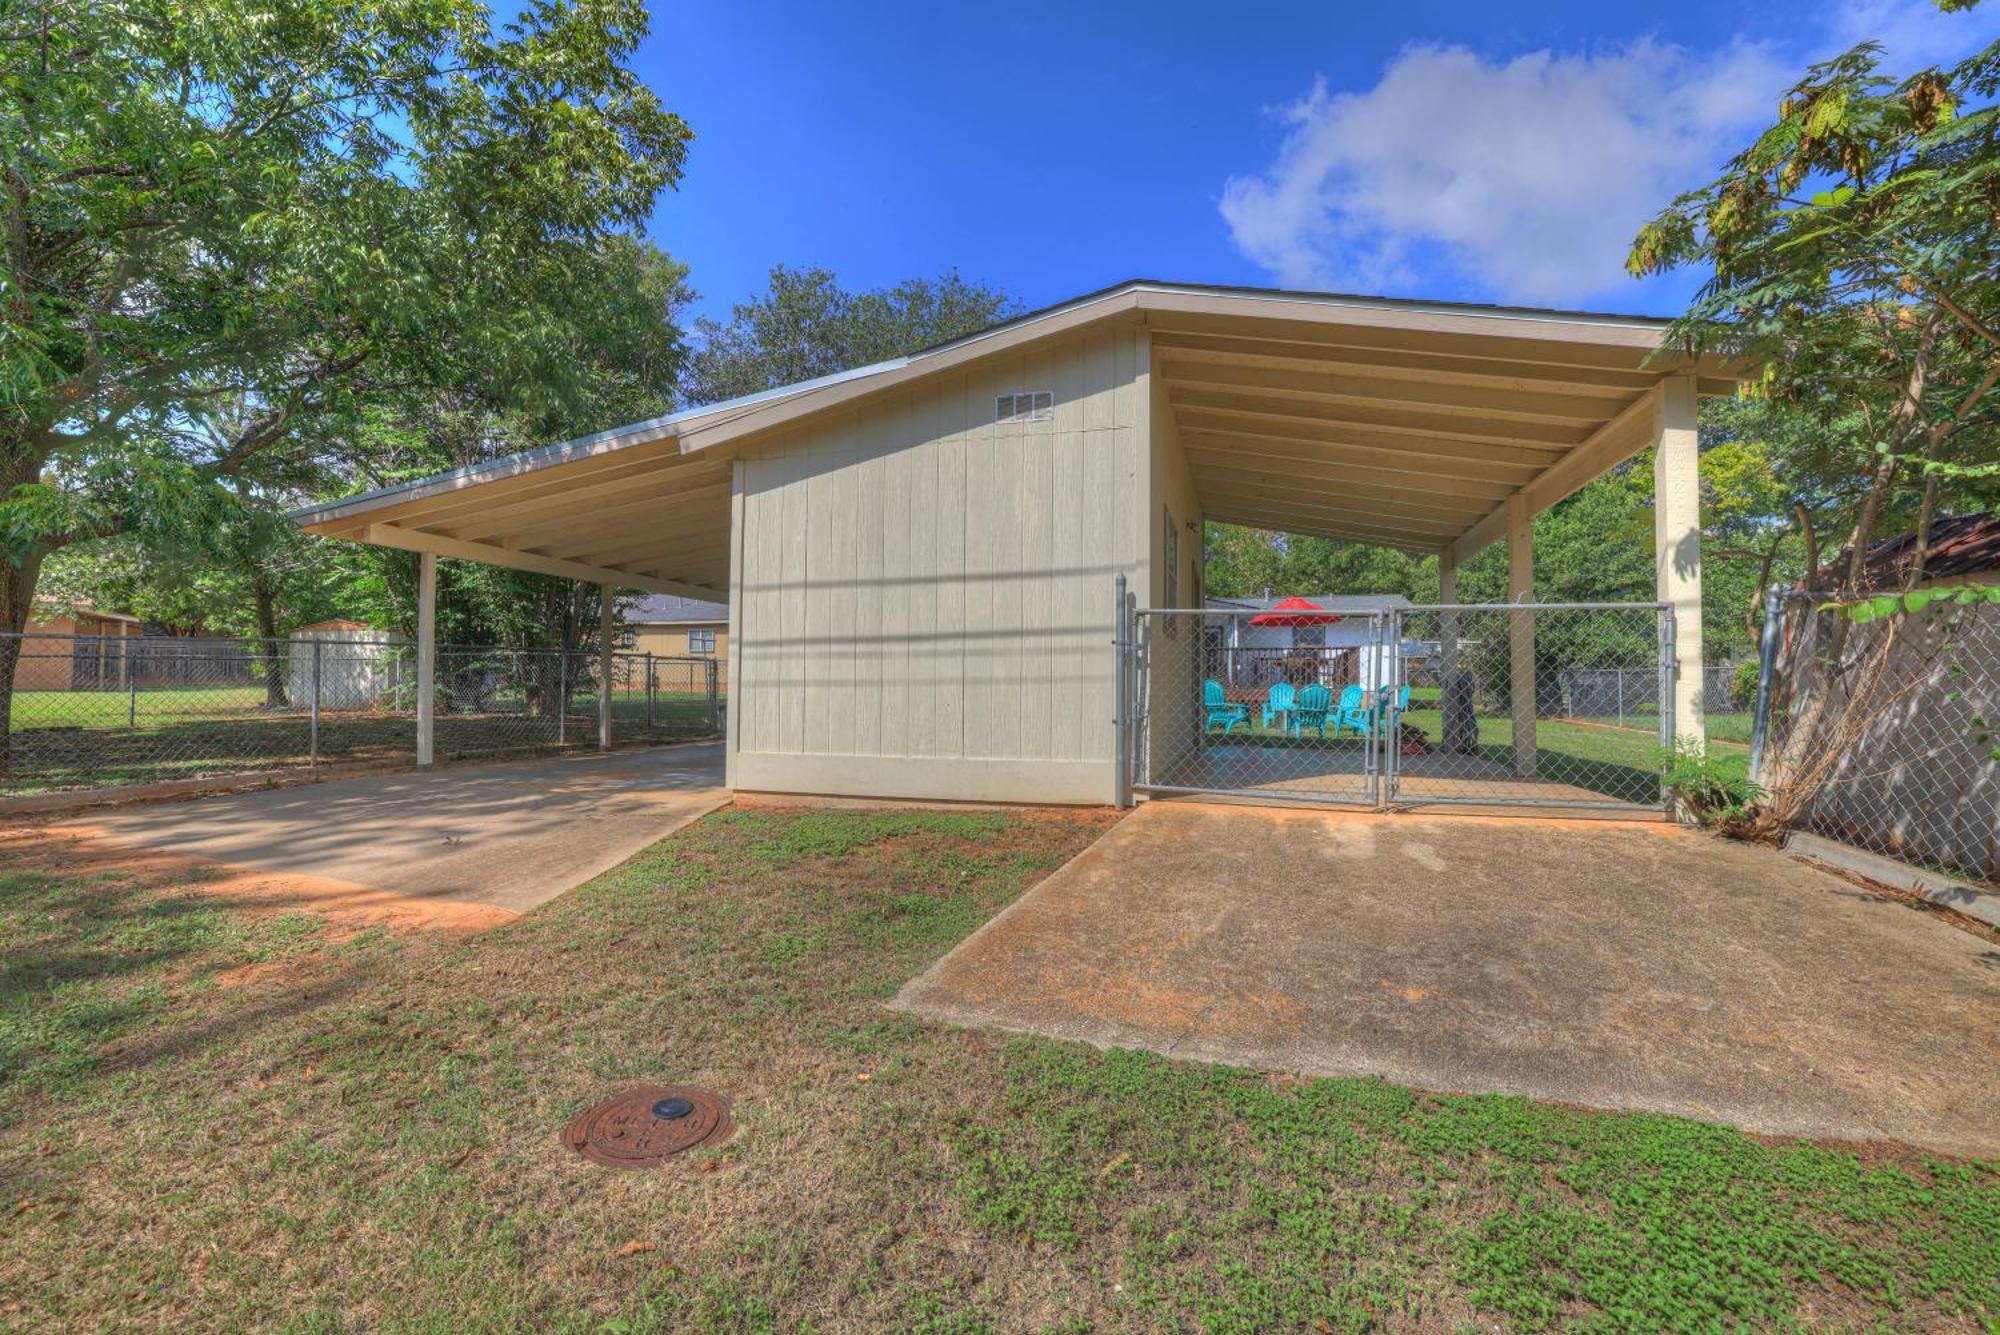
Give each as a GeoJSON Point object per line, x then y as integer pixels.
{"type": "Point", "coordinates": [1853, 251]}
{"type": "Point", "coordinates": [226, 225]}
{"type": "Point", "coordinates": [806, 325]}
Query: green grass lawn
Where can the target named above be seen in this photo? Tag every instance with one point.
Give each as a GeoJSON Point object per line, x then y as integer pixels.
{"type": "Point", "coordinates": [86, 739]}
{"type": "Point", "coordinates": [364, 1134]}
{"type": "Point", "coordinates": [1619, 763]}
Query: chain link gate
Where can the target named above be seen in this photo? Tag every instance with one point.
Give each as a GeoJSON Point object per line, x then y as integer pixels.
{"type": "Point", "coordinates": [1475, 704]}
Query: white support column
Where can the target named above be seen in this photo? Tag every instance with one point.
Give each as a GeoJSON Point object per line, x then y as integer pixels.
{"type": "Point", "coordinates": [427, 593]}
{"type": "Point", "coordinates": [1677, 545]}
{"type": "Point", "coordinates": [1521, 630]}
{"type": "Point", "coordinates": [607, 598]}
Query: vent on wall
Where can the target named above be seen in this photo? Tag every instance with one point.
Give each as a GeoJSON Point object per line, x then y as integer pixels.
{"type": "Point", "coordinates": [1036, 405]}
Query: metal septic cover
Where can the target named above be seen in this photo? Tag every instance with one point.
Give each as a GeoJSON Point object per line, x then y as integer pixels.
{"type": "Point", "coordinates": [645, 1126]}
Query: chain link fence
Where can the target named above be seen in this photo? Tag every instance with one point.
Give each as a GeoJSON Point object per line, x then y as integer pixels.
{"type": "Point", "coordinates": [91, 712]}
{"type": "Point", "coordinates": [1489, 705]}
{"type": "Point", "coordinates": [1882, 734]}
{"type": "Point", "coordinates": [1629, 697]}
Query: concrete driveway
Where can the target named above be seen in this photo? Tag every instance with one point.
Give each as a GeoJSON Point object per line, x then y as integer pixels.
{"type": "Point", "coordinates": [1611, 964]}
{"type": "Point", "coordinates": [509, 836]}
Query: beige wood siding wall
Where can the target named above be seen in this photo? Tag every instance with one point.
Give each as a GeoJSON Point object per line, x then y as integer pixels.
{"type": "Point", "coordinates": [923, 595]}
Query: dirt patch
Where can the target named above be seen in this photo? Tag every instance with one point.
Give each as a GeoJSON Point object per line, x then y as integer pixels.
{"type": "Point", "coordinates": [345, 907]}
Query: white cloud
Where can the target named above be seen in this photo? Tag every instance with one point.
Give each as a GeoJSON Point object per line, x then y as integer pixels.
{"type": "Point", "coordinates": [1525, 178]}
{"type": "Point", "coordinates": [1913, 33]}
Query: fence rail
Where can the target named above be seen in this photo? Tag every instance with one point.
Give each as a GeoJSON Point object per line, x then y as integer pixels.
{"type": "Point", "coordinates": [87, 712]}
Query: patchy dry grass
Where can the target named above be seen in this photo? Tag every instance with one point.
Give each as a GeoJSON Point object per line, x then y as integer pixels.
{"type": "Point", "coordinates": [365, 1134]}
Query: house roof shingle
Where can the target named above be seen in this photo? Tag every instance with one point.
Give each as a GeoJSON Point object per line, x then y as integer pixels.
{"type": "Point", "coordinates": [1960, 545]}
{"type": "Point", "coordinates": [666, 609]}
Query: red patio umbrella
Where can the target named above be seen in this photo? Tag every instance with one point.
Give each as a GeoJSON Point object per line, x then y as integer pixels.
{"type": "Point", "coordinates": [1295, 612]}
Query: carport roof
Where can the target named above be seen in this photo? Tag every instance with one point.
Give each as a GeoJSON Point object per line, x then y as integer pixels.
{"type": "Point", "coordinates": [1384, 420]}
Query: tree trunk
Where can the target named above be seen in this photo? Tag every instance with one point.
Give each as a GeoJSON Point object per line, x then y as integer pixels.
{"type": "Point", "coordinates": [1864, 524]}
{"type": "Point", "coordinates": [17, 600]}
{"type": "Point", "coordinates": [268, 647]}
{"type": "Point", "coordinates": [1922, 554]}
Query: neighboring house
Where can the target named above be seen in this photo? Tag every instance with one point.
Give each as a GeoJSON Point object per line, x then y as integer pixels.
{"type": "Point", "coordinates": [676, 627]}
{"type": "Point", "coordinates": [1249, 656]}
{"type": "Point", "coordinates": [1963, 549]}
{"type": "Point", "coordinates": [74, 649]}
{"type": "Point", "coordinates": [918, 556]}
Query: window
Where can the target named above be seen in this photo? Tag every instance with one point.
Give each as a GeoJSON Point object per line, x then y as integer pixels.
{"type": "Point", "coordinates": [701, 641]}
{"type": "Point", "coordinates": [1171, 555]}
{"type": "Point", "coordinates": [1036, 405]}
{"type": "Point", "coordinates": [628, 638]}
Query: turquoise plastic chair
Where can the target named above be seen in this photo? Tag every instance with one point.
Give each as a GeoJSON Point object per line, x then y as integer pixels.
{"type": "Point", "coordinates": [1354, 712]}
{"type": "Point", "coordinates": [1220, 711]}
{"type": "Point", "coordinates": [1281, 699]}
{"type": "Point", "coordinates": [1314, 703]}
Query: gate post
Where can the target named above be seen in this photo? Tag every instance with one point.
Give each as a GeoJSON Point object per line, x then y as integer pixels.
{"type": "Point", "coordinates": [313, 757]}
{"type": "Point", "coordinates": [1121, 698]}
{"type": "Point", "coordinates": [1767, 665]}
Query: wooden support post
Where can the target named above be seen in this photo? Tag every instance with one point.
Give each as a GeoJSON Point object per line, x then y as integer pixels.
{"type": "Point", "coordinates": [427, 592]}
{"type": "Point", "coordinates": [1521, 630]}
{"type": "Point", "coordinates": [1677, 547]}
{"type": "Point", "coordinates": [607, 598]}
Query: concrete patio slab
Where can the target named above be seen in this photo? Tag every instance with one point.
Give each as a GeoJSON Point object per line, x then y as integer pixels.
{"type": "Point", "coordinates": [510, 835]}
{"type": "Point", "coordinates": [1616, 965]}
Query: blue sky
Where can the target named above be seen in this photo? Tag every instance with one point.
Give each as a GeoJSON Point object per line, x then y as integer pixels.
{"type": "Point", "coordinates": [1456, 151]}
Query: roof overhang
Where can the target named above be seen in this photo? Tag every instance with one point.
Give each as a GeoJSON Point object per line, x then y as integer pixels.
{"type": "Point", "coordinates": [1400, 423]}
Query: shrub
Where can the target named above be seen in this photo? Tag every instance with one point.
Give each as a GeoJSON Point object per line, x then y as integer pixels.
{"type": "Point", "coordinates": [1716, 787]}
{"type": "Point", "coordinates": [1743, 684]}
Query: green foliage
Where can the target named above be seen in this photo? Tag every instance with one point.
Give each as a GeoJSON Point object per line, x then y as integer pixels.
{"type": "Point", "coordinates": [1713, 783]}
{"type": "Point", "coordinates": [806, 325]}
{"type": "Point", "coordinates": [1887, 605]}
{"type": "Point", "coordinates": [1850, 254]}
{"type": "Point", "coordinates": [236, 237]}
{"type": "Point", "coordinates": [1743, 683]}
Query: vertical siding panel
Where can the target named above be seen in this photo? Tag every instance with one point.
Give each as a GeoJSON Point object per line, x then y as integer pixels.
{"type": "Point", "coordinates": [950, 572]}
{"type": "Point", "coordinates": [792, 611]}
{"type": "Point", "coordinates": [814, 629]}
{"type": "Point", "coordinates": [871, 592]}
{"type": "Point", "coordinates": [892, 515]}
{"type": "Point", "coordinates": [927, 520]}
{"type": "Point", "coordinates": [1034, 563]}
{"type": "Point", "coordinates": [746, 698]}
{"type": "Point", "coordinates": [982, 446]}
{"type": "Point", "coordinates": [1070, 496]}
{"type": "Point", "coordinates": [762, 576]}
{"type": "Point", "coordinates": [843, 672]}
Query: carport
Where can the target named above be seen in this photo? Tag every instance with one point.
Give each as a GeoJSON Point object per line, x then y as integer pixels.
{"type": "Point", "coordinates": [918, 555]}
